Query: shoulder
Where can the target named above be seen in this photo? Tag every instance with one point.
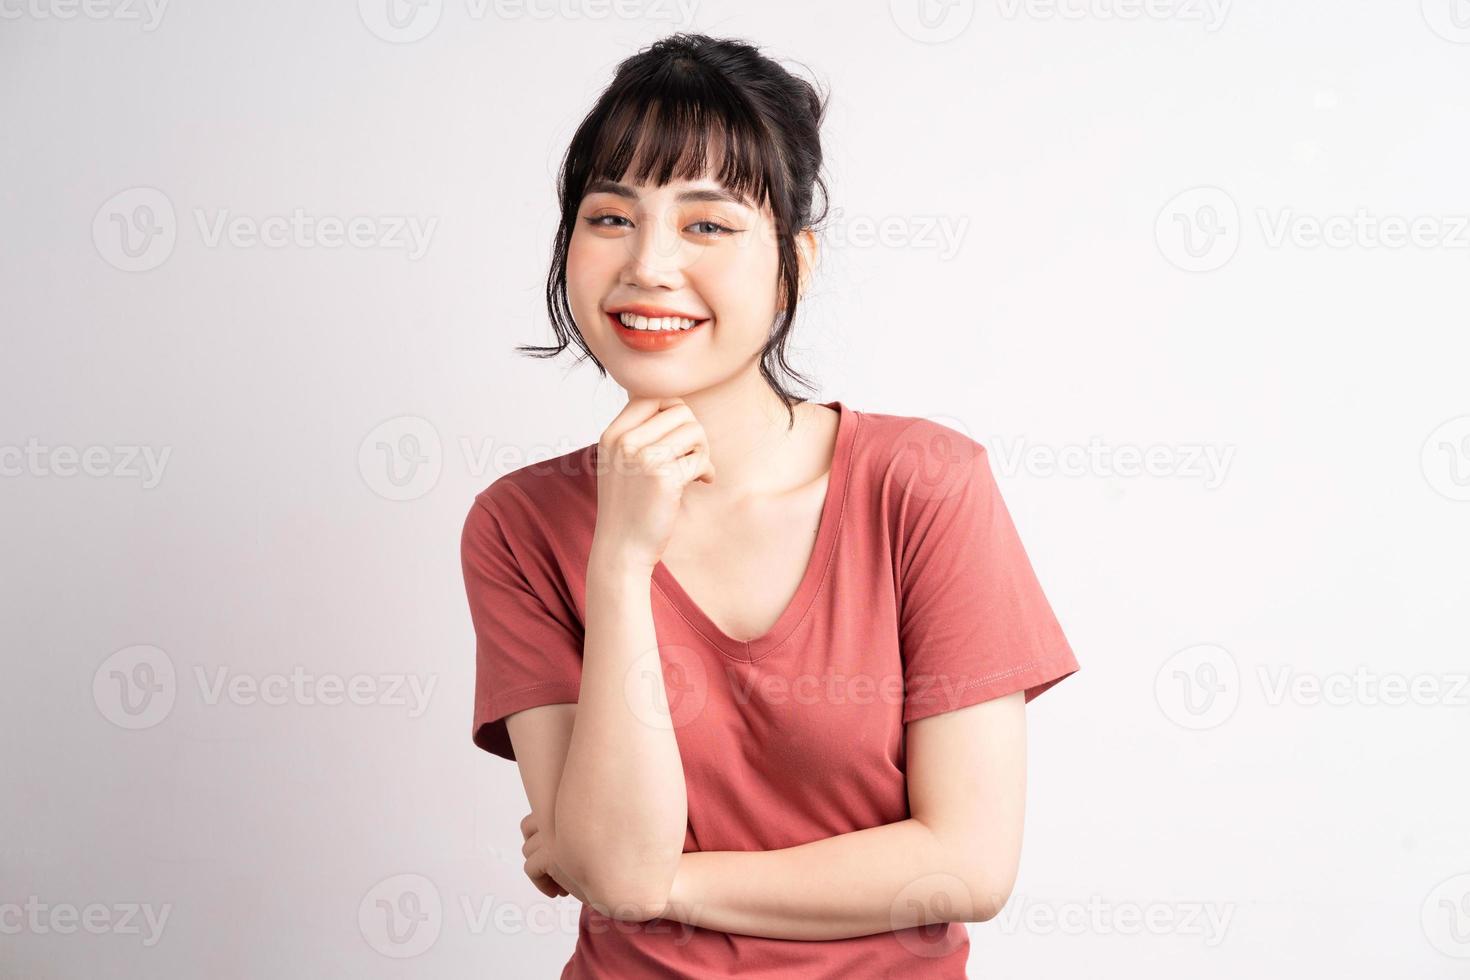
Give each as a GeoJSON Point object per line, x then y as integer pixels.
{"type": "Point", "coordinates": [545, 499]}
{"type": "Point", "coordinates": [925, 453]}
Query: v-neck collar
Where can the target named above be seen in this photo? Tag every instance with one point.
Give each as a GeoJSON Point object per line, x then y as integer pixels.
{"type": "Point", "coordinates": [811, 580]}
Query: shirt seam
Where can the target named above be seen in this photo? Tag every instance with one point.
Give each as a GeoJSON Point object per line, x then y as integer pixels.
{"type": "Point", "coordinates": [507, 695]}
{"type": "Point", "coordinates": [836, 538]}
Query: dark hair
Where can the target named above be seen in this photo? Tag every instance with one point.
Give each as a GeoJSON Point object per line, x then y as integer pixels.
{"type": "Point", "coordinates": [669, 100]}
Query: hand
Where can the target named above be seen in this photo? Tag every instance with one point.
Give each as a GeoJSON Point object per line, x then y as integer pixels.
{"type": "Point", "coordinates": [646, 457]}
{"type": "Point", "coordinates": [541, 866]}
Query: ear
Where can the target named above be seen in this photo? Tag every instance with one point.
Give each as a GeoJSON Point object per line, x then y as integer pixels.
{"type": "Point", "coordinates": [807, 250]}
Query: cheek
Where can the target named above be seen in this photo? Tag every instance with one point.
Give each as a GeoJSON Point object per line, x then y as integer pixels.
{"type": "Point", "coordinates": [592, 272]}
{"type": "Point", "coordinates": [739, 284]}
{"type": "Point", "coordinates": [583, 266]}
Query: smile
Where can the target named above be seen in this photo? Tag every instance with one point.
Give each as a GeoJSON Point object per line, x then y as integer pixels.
{"type": "Point", "coordinates": [653, 334]}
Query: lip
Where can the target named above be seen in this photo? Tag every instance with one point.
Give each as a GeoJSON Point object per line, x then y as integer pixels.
{"type": "Point", "coordinates": [647, 341]}
{"type": "Point", "coordinates": [648, 310]}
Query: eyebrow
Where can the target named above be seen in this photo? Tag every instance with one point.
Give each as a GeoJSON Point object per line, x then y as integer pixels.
{"type": "Point", "coordinates": [692, 196]}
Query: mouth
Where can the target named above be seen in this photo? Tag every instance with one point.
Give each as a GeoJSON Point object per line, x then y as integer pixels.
{"type": "Point", "coordinates": [643, 333]}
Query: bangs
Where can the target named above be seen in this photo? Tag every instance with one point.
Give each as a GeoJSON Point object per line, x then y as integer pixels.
{"type": "Point", "coordinates": [652, 137]}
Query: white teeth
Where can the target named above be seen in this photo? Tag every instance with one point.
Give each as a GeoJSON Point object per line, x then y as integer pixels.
{"type": "Point", "coordinates": [656, 323]}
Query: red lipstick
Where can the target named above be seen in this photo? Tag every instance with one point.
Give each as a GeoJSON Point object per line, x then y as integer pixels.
{"type": "Point", "coordinates": [648, 341]}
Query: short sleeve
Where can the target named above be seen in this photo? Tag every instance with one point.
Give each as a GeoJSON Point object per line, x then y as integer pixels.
{"type": "Point", "coordinates": [528, 641]}
{"type": "Point", "coordinates": [974, 623]}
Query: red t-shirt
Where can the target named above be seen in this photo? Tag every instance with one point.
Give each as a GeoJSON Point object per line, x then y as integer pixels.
{"type": "Point", "coordinates": [918, 599]}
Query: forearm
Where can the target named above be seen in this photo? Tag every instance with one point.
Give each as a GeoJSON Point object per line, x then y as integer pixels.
{"type": "Point", "coordinates": [868, 881]}
{"type": "Point", "coordinates": [621, 809]}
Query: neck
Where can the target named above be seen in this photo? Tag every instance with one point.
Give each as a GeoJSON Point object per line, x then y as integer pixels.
{"type": "Point", "coordinates": [750, 443]}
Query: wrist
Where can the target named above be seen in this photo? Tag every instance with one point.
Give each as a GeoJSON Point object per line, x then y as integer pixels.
{"type": "Point", "coordinates": [613, 565]}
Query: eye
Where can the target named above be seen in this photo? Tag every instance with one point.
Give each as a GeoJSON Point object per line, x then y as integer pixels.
{"type": "Point", "coordinates": [712, 229]}
{"type": "Point", "coordinates": [600, 220]}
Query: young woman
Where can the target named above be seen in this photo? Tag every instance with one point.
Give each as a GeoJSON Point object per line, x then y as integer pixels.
{"type": "Point", "coordinates": [762, 662]}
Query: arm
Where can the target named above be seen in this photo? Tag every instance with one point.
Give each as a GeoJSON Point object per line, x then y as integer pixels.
{"type": "Point", "coordinates": [953, 860]}
{"type": "Point", "coordinates": [539, 737]}
{"type": "Point", "coordinates": [619, 812]}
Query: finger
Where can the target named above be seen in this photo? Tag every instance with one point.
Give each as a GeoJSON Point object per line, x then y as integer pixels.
{"type": "Point", "coordinates": [678, 444]}
{"type": "Point", "coordinates": [635, 413]}
{"type": "Point", "coordinates": [696, 466]}
{"type": "Point", "coordinates": [657, 428]}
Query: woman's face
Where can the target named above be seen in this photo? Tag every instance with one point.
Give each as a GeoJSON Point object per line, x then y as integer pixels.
{"type": "Point", "coordinates": [683, 249]}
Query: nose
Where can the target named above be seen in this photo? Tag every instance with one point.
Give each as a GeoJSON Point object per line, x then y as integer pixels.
{"type": "Point", "coordinates": [655, 257]}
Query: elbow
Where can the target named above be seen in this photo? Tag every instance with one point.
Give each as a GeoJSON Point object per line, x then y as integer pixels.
{"type": "Point", "coordinates": [989, 880]}
{"type": "Point", "coordinates": [618, 878]}
{"type": "Point", "coordinates": [628, 896]}
{"type": "Point", "coordinates": [980, 873]}
{"type": "Point", "coordinates": [625, 901]}
{"type": "Point", "coordinates": [989, 898]}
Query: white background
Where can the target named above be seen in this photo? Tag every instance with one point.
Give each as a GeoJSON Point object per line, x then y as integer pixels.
{"type": "Point", "coordinates": [1086, 295]}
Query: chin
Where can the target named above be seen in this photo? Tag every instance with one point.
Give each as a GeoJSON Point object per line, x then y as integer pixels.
{"type": "Point", "coordinates": [652, 387]}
